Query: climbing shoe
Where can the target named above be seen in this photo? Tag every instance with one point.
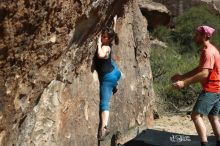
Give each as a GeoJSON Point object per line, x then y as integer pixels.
{"type": "Point", "coordinates": [114, 90]}
{"type": "Point", "coordinates": [204, 144]}
{"type": "Point", "coordinates": [103, 132]}
{"type": "Point", "coordinates": [218, 143]}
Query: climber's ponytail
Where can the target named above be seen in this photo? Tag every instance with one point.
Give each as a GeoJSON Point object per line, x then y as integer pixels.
{"type": "Point", "coordinates": [111, 34]}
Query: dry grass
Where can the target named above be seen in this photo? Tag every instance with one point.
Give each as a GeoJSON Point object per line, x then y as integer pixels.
{"type": "Point", "coordinates": [179, 124]}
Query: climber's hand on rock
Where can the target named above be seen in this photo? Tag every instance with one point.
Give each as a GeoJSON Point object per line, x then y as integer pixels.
{"type": "Point", "coordinates": [114, 22]}
{"type": "Point", "coordinates": [115, 18]}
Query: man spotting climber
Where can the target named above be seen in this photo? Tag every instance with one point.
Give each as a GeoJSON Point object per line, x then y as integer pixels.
{"type": "Point", "coordinates": [208, 74]}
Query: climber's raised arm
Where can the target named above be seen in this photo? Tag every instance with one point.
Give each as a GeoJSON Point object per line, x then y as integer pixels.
{"type": "Point", "coordinates": [114, 22]}
{"type": "Point", "coordinates": [103, 50]}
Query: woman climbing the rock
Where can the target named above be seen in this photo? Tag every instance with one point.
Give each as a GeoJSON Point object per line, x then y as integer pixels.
{"type": "Point", "coordinates": [109, 75]}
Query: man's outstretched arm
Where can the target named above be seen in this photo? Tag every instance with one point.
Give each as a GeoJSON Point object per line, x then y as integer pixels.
{"type": "Point", "coordinates": [201, 75]}
{"type": "Point", "coordinates": [198, 77]}
{"type": "Point", "coordinates": [178, 77]}
{"type": "Point", "coordinates": [191, 73]}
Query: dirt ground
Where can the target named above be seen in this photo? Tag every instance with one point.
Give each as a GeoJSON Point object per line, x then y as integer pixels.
{"type": "Point", "coordinates": [179, 124]}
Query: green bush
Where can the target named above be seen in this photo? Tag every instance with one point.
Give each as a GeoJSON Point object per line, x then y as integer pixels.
{"type": "Point", "coordinates": [187, 23]}
{"type": "Point", "coordinates": [181, 55]}
{"type": "Point", "coordinates": [162, 33]}
{"type": "Point", "coordinates": [166, 62]}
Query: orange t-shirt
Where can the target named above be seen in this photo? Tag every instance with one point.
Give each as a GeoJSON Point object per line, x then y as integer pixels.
{"type": "Point", "coordinates": [210, 59]}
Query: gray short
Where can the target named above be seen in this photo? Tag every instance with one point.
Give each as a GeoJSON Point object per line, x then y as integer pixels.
{"type": "Point", "coordinates": [208, 103]}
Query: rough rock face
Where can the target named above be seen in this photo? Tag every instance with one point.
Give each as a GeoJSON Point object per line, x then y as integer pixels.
{"type": "Point", "coordinates": [49, 90]}
{"type": "Point", "coordinates": [156, 13]}
{"type": "Point", "coordinates": [179, 6]}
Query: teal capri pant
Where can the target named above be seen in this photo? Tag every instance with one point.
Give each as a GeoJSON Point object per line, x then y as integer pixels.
{"type": "Point", "coordinates": [108, 82]}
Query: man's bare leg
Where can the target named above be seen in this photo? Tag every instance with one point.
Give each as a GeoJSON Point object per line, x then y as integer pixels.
{"type": "Point", "coordinates": [215, 126]}
{"type": "Point", "coordinates": [200, 126]}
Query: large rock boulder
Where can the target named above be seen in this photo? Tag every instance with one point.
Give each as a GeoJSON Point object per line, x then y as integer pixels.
{"type": "Point", "coordinates": [49, 89]}
{"type": "Point", "coordinates": [156, 13]}
{"type": "Point", "coordinates": [216, 5]}
{"type": "Point", "coordinates": [177, 7]}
